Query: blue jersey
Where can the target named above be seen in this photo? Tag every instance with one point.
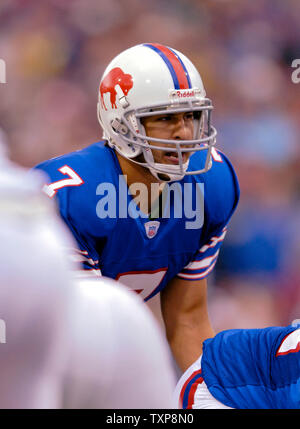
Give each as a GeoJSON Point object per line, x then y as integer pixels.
{"type": "Point", "coordinates": [119, 240]}
{"type": "Point", "coordinates": [254, 368]}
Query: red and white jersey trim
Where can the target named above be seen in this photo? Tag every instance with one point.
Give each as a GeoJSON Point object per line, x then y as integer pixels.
{"type": "Point", "coordinates": [198, 276]}
{"type": "Point", "coordinates": [290, 344]}
{"type": "Point", "coordinates": [214, 241]}
{"type": "Point", "coordinates": [195, 395]}
{"type": "Point", "coordinates": [205, 259]}
{"type": "Point", "coordinates": [81, 274]}
{"type": "Point", "coordinates": [203, 263]}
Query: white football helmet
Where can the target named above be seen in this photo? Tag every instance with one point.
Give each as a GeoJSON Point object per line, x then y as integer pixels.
{"type": "Point", "coordinates": [150, 79]}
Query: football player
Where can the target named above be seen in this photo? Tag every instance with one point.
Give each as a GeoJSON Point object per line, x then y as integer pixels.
{"type": "Point", "coordinates": [149, 204]}
{"type": "Point", "coordinates": [245, 369]}
{"type": "Point", "coordinates": [67, 343]}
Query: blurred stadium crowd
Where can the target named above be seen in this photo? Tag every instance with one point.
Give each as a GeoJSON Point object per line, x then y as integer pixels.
{"type": "Point", "coordinates": [56, 52]}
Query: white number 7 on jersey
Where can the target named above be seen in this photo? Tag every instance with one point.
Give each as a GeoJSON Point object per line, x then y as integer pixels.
{"type": "Point", "coordinates": [74, 180]}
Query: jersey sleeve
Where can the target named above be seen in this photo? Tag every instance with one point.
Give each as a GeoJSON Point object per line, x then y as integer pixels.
{"type": "Point", "coordinates": [254, 368]}
{"type": "Point", "coordinates": [205, 259]}
{"type": "Point", "coordinates": [62, 177]}
{"type": "Point", "coordinates": [87, 267]}
{"type": "Point", "coordinates": [221, 193]}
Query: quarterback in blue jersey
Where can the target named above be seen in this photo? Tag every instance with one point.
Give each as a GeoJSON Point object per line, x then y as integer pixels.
{"type": "Point", "coordinates": [245, 369]}
{"type": "Point", "coordinates": [149, 205]}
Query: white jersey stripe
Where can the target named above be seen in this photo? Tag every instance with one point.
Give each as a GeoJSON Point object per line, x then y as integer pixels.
{"type": "Point", "coordinates": [214, 241]}
{"type": "Point", "coordinates": [82, 258]}
{"type": "Point", "coordinates": [87, 273]}
{"type": "Point", "coordinates": [198, 276]}
{"type": "Point", "coordinates": [197, 265]}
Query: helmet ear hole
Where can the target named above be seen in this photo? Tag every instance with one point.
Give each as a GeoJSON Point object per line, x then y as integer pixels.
{"type": "Point", "coordinates": [163, 177]}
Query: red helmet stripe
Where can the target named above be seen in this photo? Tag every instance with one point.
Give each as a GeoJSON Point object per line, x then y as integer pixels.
{"type": "Point", "coordinates": [177, 65]}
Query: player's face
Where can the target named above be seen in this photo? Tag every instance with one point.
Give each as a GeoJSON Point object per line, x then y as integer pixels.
{"type": "Point", "coordinates": [176, 126]}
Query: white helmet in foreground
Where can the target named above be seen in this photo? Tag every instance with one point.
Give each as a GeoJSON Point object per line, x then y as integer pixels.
{"type": "Point", "coordinates": [150, 79]}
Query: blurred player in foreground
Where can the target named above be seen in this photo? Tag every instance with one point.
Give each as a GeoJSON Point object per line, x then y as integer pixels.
{"type": "Point", "coordinates": [68, 344]}
{"type": "Point", "coordinates": [117, 356]}
{"type": "Point", "coordinates": [245, 369]}
{"type": "Point", "coordinates": [150, 203]}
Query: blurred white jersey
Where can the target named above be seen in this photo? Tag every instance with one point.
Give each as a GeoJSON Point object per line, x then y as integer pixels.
{"type": "Point", "coordinates": [64, 345]}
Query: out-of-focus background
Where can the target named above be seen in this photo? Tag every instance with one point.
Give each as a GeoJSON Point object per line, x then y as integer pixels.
{"type": "Point", "coordinates": [56, 51]}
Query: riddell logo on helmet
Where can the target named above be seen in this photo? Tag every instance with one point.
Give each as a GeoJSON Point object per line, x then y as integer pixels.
{"type": "Point", "coordinates": [116, 82]}
{"type": "Point", "coordinates": [185, 93]}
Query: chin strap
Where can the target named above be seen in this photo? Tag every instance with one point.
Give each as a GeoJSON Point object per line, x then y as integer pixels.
{"type": "Point", "coordinates": [166, 177]}
{"type": "Point", "coordinates": [159, 175]}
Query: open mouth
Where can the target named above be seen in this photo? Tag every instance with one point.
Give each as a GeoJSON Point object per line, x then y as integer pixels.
{"type": "Point", "coordinates": [172, 158]}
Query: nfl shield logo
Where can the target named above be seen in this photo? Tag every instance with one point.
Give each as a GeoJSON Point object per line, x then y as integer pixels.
{"type": "Point", "coordinates": [152, 228]}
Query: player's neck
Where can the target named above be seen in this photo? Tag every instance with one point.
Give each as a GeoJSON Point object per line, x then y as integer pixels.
{"type": "Point", "coordinates": [138, 174]}
{"type": "Point", "coordinates": [135, 173]}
